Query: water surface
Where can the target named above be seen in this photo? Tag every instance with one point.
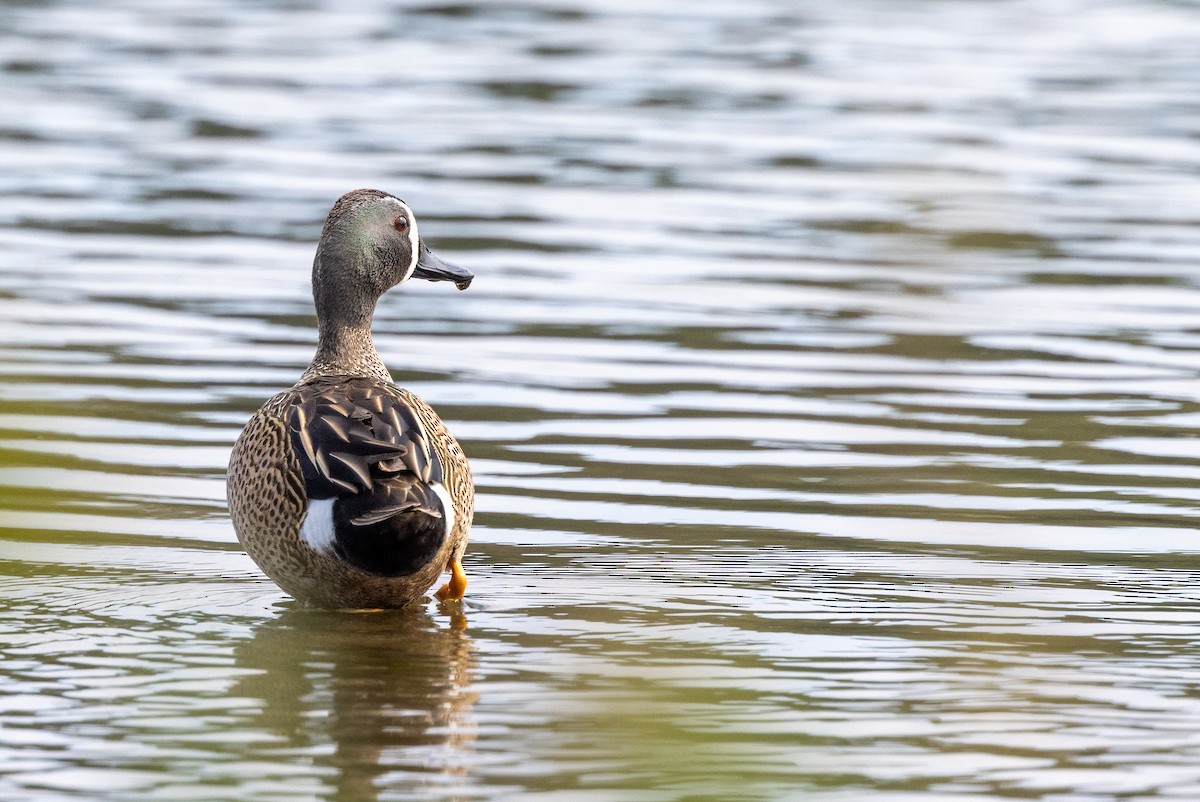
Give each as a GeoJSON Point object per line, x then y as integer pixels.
{"type": "Point", "coordinates": [830, 382]}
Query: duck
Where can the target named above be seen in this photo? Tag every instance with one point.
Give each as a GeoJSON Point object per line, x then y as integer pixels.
{"type": "Point", "coordinates": [347, 490]}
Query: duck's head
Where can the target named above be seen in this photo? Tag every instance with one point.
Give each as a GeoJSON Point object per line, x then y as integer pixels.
{"type": "Point", "coordinates": [370, 244]}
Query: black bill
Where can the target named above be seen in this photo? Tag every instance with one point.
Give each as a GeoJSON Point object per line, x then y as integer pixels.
{"type": "Point", "coordinates": [432, 268]}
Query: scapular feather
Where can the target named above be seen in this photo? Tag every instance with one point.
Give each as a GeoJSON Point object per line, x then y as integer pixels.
{"type": "Point", "coordinates": [351, 434]}
{"type": "Point", "coordinates": [360, 444]}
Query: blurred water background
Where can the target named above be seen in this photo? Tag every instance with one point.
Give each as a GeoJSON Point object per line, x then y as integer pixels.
{"type": "Point", "coordinates": [830, 380]}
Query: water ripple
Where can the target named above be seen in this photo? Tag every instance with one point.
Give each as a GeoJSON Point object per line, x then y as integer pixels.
{"type": "Point", "coordinates": [829, 380]}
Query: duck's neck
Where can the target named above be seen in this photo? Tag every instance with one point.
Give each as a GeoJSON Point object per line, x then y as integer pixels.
{"type": "Point", "coordinates": [346, 351]}
{"type": "Point", "coordinates": [344, 314]}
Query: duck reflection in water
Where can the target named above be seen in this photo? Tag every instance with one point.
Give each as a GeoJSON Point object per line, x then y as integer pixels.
{"type": "Point", "coordinates": [390, 691]}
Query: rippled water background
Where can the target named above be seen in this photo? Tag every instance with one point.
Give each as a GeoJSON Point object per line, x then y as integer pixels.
{"type": "Point", "coordinates": [830, 381]}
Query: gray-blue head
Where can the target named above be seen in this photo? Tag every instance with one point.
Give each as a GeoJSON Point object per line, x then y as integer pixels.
{"type": "Point", "coordinates": [369, 244]}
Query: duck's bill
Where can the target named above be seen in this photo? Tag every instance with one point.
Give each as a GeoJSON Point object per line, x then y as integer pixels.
{"type": "Point", "coordinates": [433, 268]}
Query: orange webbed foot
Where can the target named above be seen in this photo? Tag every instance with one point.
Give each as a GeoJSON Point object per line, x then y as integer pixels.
{"type": "Point", "coordinates": [456, 588]}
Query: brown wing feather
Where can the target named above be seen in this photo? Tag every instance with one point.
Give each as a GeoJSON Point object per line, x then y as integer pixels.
{"type": "Point", "coordinates": [352, 434]}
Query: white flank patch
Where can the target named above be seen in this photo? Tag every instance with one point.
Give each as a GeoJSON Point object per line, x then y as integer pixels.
{"type": "Point", "coordinates": [447, 505]}
{"type": "Point", "coordinates": [317, 530]}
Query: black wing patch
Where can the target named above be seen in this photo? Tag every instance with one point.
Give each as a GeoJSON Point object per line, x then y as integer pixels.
{"type": "Point", "coordinates": [391, 531]}
{"type": "Point", "coordinates": [360, 444]}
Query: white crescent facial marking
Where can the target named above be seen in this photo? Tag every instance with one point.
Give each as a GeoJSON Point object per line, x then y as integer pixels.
{"type": "Point", "coordinates": [447, 505]}
{"type": "Point", "coordinates": [317, 530]}
{"type": "Point", "coordinates": [414, 241]}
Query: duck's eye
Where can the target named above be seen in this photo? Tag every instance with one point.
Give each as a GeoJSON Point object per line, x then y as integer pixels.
{"type": "Point", "coordinates": [401, 223]}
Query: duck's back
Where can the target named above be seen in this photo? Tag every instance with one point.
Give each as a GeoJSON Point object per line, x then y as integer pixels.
{"type": "Point", "coordinates": [350, 492]}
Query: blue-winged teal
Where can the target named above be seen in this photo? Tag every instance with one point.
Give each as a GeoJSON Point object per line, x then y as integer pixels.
{"type": "Point", "coordinates": [347, 490]}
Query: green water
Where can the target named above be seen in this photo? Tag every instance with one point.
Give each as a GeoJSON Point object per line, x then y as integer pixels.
{"type": "Point", "coordinates": [829, 382]}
